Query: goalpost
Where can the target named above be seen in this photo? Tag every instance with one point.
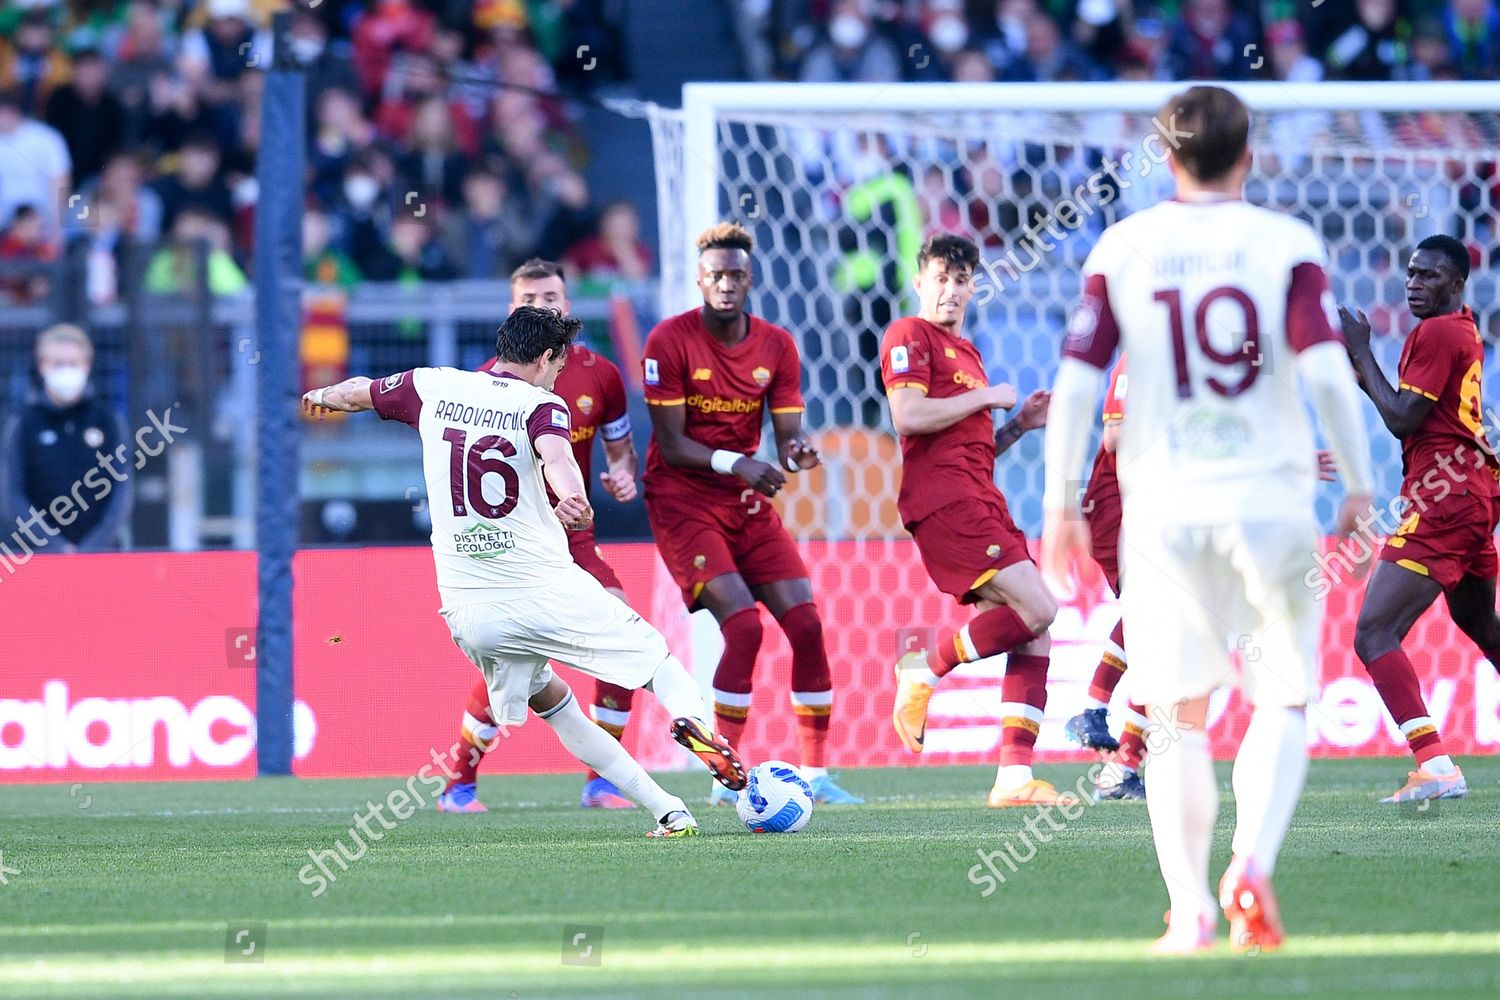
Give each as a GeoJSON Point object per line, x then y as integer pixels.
{"type": "Point", "coordinates": [840, 183]}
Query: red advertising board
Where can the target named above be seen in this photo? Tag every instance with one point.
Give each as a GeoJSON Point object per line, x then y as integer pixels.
{"type": "Point", "coordinates": [142, 666]}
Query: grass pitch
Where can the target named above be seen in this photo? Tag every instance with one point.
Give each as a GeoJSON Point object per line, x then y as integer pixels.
{"type": "Point", "coordinates": [157, 891]}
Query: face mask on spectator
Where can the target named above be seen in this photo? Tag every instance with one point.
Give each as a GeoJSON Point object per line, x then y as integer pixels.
{"type": "Point", "coordinates": [1097, 12]}
{"type": "Point", "coordinates": [66, 384]}
{"type": "Point", "coordinates": [361, 190]}
{"type": "Point", "coordinates": [848, 31]}
{"type": "Point", "coordinates": [949, 33]}
{"type": "Point", "coordinates": [305, 50]}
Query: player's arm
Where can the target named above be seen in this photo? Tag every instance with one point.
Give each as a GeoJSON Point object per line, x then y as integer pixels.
{"type": "Point", "coordinates": [562, 474]}
{"type": "Point", "coordinates": [1032, 415]}
{"type": "Point", "coordinates": [1109, 440]}
{"type": "Point", "coordinates": [1092, 338]}
{"type": "Point", "coordinates": [619, 448]}
{"type": "Point", "coordinates": [1326, 373]}
{"type": "Point", "coordinates": [794, 448]}
{"type": "Point", "coordinates": [1402, 409]}
{"type": "Point", "coordinates": [1323, 364]}
{"type": "Point", "coordinates": [350, 396]}
{"type": "Point", "coordinates": [669, 424]}
{"type": "Point", "coordinates": [622, 462]}
{"type": "Point", "coordinates": [913, 412]}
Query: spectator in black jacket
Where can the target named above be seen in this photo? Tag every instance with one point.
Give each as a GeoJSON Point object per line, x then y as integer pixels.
{"type": "Point", "coordinates": [67, 469]}
{"type": "Point", "coordinates": [1210, 41]}
{"type": "Point", "coordinates": [197, 183]}
{"type": "Point", "coordinates": [90, 118]}
{"type": "Point", "coordinates": [1373, 47]}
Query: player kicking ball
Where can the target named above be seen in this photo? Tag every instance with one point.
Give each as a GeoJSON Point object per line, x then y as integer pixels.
{"type": "Point", "coordinates": [1446, 543]}
{"type": "Point", "coordinates": [710, 375]}
{"type": "Point", "coordinates": [492, 445]}
{"type": "Point", "coordinates": [940, 402]}
{"type": "Point", "coordinates": [1224, 309]}
{"type": "Point", "coordinates": [591, 386]}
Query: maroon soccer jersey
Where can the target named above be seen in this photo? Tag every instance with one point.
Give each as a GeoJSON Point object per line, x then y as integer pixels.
{"type": "Point", "coordinates": [591, 386]}
{"type": "Point", "coordinates": [1443, 359]}
{"type": "Point", "coordinates": [959, 461]}
{"type": "Point", "coordinates": [726, 391]}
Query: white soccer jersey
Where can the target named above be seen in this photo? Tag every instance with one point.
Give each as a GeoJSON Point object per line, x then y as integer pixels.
{"type": "Point", "coordinates": [493, 530]}
{"type": "Point", "coordinates": [1212, 300]}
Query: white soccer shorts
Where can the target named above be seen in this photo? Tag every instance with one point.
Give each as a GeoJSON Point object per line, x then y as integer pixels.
{"type": "Point", "coordinates": [575, 621]}
{"type": "Point", "coordinates": [1193, 594]}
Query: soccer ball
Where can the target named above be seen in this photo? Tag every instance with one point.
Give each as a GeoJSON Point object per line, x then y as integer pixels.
{"type": "Point", "coordinates": [777, 799]}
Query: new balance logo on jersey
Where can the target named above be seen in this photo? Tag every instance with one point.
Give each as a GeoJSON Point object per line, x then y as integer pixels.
{"type": "Point", "coordinates": [653, 372]}
{"type": "Point", "coordinates": [900, 362]}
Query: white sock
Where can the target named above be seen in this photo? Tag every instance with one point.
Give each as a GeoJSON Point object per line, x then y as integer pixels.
{"type": "Point", "coordinates": [1183, 803]}
{"type": "Point", "coordinates": [603, 753]}
{"type": "Point", "coordinates": [811, 773]}
{"type": "Point", "coordinates": [675, 688]}
{"type": "Point", "coordinates": [1009, 776]}
{"type": "Point", "coordinates": [926, 676]}
{"type": "Point", "coordinates": [1441, 764]}
{"type": "Point", "coordinates": [1268, 774]}
{"type": "Point", "coordinates": [1091, 702]}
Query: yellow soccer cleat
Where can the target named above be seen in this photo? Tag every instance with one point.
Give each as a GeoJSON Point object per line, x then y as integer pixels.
{"type": "Point", "coordinates": [1034, 793]}
{"type": "Point", "coordinates": [912, 695]}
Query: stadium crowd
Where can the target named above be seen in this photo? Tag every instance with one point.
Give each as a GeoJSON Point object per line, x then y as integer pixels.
{"type": "Point", "coordinates": [884, 41]}
{"type": "Point", "coordinates": [133, 124]}
{"type": "Point", "coordinates": [136, 124]}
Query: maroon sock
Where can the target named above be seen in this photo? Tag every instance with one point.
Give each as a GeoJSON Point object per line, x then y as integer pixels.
{"type": "Point", "coordinates": [733, 678]}
{"type": "Point", "coordinates": [1132, 750]}
{"type": "Point", "coordinates": [1024, 693]}
{"type": "Point", "coordinates": [463, 757]}
{"type": "Point", "coordinates": [991, 633]}
{"type": "Point", "coordinates": [812, 684]}
{"type": "Point", "coordinates": [1396, 680]}
{"type": "Point", "coordinates": [1111, 666]}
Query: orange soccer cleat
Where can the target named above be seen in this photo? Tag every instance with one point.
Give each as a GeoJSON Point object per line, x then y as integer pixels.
{"type": "Point", "coordinates": [1034, 793]}
{"type": "Point", "coordinates": [912, 695]}
{"type": "Point", "coordinates": [1250, 904]}
{"type": "Point", "coordinates": [1423, 785]}
{"type": "Point", "coordinates": [715, 752]}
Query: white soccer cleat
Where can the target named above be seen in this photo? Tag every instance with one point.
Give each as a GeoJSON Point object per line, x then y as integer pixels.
{"type": "Point", "coordinates": [678, 823]}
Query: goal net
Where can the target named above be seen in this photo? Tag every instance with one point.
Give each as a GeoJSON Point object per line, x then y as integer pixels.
{"type": "Point", "coordinates": [841, 184]}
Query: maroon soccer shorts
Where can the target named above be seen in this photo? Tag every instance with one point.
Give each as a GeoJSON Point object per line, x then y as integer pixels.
{"type": "Point", "coordinates": [701, 537]}
{"type": "Point", "coordinates": [967, 542]}
{"type": "Point", "coordinates": [1103, 516]}
{"type": "Point", "coordinates": [585, 552]}
{"type": "Point", "coordinates": [1448, 541]}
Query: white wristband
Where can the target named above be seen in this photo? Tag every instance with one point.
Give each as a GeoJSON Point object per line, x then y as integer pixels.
{"type": "Point", "coordinates": [320, 396]}
{"type": "Point", "coordinates": [723, 461]}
